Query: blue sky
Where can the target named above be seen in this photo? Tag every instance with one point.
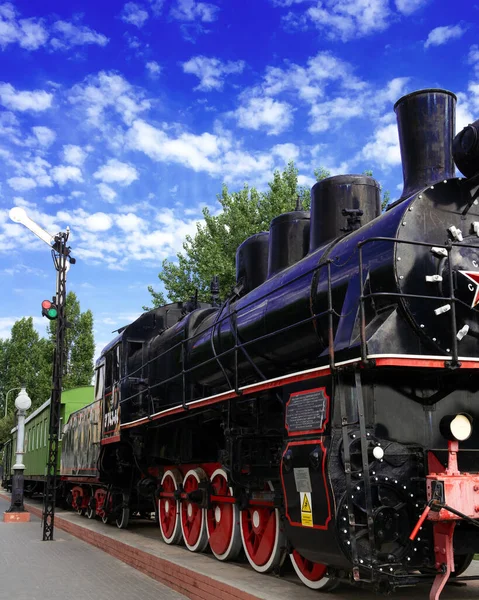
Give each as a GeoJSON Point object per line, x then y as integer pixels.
{"type": "Point", "coordinates": [122, 120]}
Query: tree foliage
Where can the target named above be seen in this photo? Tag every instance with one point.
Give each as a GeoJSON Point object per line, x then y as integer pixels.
{"type": "Point", "coordinates": [212, 250]}
{"type": "Point", "coordinates": [26, 360]}
{"type": "Point", "coordinates": [79, 344]}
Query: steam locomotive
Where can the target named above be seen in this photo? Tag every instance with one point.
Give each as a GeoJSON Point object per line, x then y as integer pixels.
{"type": "Point", "coordinates": [328, 408]}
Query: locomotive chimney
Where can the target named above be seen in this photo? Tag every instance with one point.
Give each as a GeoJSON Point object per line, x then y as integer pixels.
{"type": "Point", "coordinates": [252, 261]}
{"type": "Point", "coordinates": [426, 123]}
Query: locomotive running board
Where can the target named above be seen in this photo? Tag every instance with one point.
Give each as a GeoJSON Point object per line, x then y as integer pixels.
{"type": "Point", "coordinates": [381, 360]}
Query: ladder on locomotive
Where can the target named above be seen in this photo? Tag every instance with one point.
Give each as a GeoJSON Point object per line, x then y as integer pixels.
{"type": "Point", "coordinates": [349, 425]}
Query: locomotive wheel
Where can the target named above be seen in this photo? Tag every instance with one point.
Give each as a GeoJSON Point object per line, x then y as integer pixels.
{"type": "Point", "coordinates": [91, 509]}
{"type": "Point", "coordinates": [192, 516]}
{"type": "Point", "coordinates": [222, 520]}
{"type": "Point", "coordinates": [262, 535]}
{"type": "Point", "coordinates": [461, 564]}
{"type": "Point", "coordinates": [169, 508]}
{"type": "Point", "coordinates": [123, 515]}
{"type": "Point", "coordinates": [312, 574]}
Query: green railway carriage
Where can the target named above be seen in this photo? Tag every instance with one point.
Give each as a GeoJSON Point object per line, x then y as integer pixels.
{"type": "Point", "coordinates": [36, 436]}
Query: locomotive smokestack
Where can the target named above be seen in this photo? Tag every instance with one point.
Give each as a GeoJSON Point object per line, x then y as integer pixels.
{"type": "Point", "coordinates": [426, 123]}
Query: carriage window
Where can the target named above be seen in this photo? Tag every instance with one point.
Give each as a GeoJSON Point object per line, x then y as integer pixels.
{"type": "Point", "coordinates": [100, 382]}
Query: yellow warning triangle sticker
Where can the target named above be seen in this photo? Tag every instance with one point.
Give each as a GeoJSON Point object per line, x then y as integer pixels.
{"type": "Point", "coordinates": [306, 505]}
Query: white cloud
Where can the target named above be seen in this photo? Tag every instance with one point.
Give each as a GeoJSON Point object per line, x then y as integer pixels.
{"type": "Point", "coordinates": [153, 68]}
{"type": "Point", "coordinates": [219, 155]}
{"type": "Point", "coordinates": [156, 7]}
{"type": "Point", "coordinates": [441, 35]}
{"type": "Point", "coordinates": [21, 184]}
{"type": "Point", "coordinates": [286, 152]}
{"type": "Point", "coordinates": [135, 15]}
{"type": "Point", "coordinates": [44, 135]}
{"type": "Point", "coordinates": [383, 149]}
{"type": "Point", "coordinates": [98, 222]}
{"type": "Point", "coordinates": [63, 173]}
{"type": "Point", "coordinates": [33, 33]}
{"type": "Point", "coordinates": [194, 151]}
{"type": "Point", "coordinates": [265, 113]}
{"type": "Point", "coordinates": [70, 34]}
{"type": "Point", "coordinates": [191, 10]}
{"type": "Point", "coordinates": [74, 155]}
{"type": "Point", "coordinates": [108, 92]}
{"type": "Point", "coordinates": [27, 33]}
{"type": "Point", "coordinates": [310, 82]}
{"type": "Point", "coordinates": [55, 199]}
{"type": "Point", "coordinates": [106, 192]}
{"type": "Point", "coordinates": [407, 7]}
{"type": "Point", "coordinates": [36, 100]}
{"type": "Point", "coordinates": [211, 71]}
{"type": "Point", "coordinates": [115, 171]}
{"type": "Point", "coordinates": [348, 19]}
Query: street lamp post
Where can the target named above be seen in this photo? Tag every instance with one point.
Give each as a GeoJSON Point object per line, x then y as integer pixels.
{"type": "Point", "coordinates": [6, 397]}
{"type": "Point", "coordinates": [22, 404]}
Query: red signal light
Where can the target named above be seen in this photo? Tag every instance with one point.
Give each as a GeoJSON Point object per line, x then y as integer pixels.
{"type": "Point", "coordinates": [46, 304]}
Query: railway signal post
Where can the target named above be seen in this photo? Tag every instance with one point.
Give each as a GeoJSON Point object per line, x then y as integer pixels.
{"type": "Point", "coordinates": [54, 310]}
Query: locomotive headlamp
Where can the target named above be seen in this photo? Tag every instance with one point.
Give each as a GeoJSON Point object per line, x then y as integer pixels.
{"type": "Point", "coordinates": [456, 427]}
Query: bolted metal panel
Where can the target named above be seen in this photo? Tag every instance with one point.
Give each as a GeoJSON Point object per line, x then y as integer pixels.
{"type": "Point", "coordinates": [342, 204]}
{"type": "Point", "coordinates": [252, 261]}
{"type": "Point", "coordinates": [288, 240]}
{"type": "Point", "coordinates": [426, 123]}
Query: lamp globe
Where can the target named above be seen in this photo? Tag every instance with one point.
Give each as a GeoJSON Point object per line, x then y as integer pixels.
{"type": "Point", "coordinates": [22, 401]}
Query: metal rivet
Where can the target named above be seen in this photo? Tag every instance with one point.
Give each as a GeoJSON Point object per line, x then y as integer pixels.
{"type": "Point", "coordinates": [432, 187]}
{"type": "Point", "coordinates": [399, 258]}
{"type": "Point", "coordinates": [422, 326]}
{"type": "Point", "coordinates": [420, 196]}
{"type": "Point", "coordinates": [433, 339]}
{"type": "Point", "coordinates": [448, 349]}
{"type": "Point", "coordinates": [401, 276]}
{"type": "Point", "coordinates": [445, 181]}
{"type": "Point", "coordinates": [410, 208]}
{"type": "Point", "coordinates": [403, 223]}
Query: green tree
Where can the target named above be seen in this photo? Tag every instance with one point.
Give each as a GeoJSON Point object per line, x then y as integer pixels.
{"type": "Point", "coordinates": [25, 360]}
{"type": "Point", "coordinates": [79, 344]}
{"type": "Point", "coordinates": [212, 250]}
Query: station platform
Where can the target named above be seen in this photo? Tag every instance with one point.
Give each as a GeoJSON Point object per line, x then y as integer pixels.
{"type": "Point", "coordinates": [68, 568]}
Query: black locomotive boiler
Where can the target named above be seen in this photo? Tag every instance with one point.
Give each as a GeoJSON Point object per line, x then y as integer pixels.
{"type": "Point", "coordinates": [328, 408]}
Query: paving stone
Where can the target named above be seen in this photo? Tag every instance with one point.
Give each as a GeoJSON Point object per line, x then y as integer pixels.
{"type": "Point", "coordinates": [66, 569]}
{"type": "Point", "coordinates": [78, 570]}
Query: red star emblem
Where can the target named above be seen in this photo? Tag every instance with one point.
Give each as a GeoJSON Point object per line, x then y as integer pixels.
{"type": "Point", "coordinates": [473, 277]}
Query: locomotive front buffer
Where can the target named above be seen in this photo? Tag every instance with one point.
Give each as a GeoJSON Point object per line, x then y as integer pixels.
{"type": "Point", "coordinates": [452, 496]}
